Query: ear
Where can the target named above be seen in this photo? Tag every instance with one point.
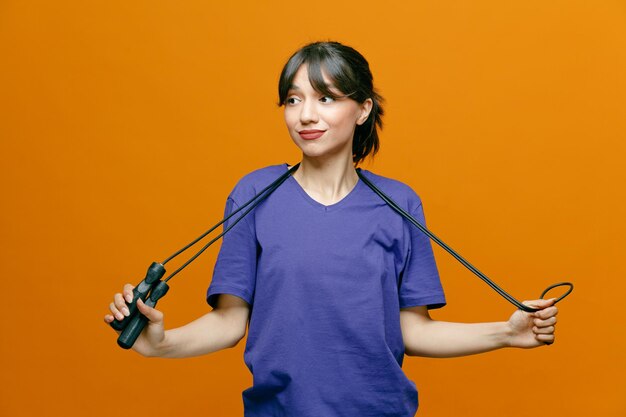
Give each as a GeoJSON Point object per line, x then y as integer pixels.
{"type": "Point", "coordinates": [365, 108]}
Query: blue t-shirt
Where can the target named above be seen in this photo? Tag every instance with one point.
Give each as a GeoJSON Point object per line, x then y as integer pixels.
{"type": "Point", "coordinates": [325, 285]}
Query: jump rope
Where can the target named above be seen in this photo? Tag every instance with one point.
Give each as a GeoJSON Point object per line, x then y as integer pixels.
{"type": "Point", "coordinates": [152, 288]}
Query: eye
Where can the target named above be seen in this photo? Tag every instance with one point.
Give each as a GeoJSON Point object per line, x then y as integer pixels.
{"type": "Point", "coordinates": [327, 99]}
{"type": "Point", "coordinates": [292, 100]}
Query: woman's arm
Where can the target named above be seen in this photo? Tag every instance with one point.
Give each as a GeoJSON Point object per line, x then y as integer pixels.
{"type": "Point", "coordinates": [426, 337]}
{"type": "Point", "coordinates": [219, 329]}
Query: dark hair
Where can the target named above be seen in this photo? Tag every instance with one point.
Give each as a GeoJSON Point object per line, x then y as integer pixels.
{"type": "Point", "coordinates": [350, 73]}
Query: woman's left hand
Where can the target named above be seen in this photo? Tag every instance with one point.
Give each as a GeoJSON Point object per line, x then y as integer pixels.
{"type": "Point", "coordinates": [529, 330]}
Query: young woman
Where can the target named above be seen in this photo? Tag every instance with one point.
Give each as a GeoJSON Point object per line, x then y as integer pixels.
{"type": "Point", "coordinates": [333, 286]}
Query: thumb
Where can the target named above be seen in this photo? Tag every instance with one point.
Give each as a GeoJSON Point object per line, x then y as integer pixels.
{"type": "Point", "coordinates": [154, 315]}
{"type": "Point", "coordinates": [540, 303]}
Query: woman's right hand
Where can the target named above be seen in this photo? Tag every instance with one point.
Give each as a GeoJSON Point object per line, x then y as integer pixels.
{"type": "Point", "coordinates": [150, 341]}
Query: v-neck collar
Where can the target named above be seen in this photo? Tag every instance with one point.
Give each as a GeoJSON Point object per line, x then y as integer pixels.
{"type": "Point", "coordinates": [322, 207]}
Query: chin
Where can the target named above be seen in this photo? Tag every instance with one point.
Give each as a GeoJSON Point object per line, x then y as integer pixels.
{"type": "Point", "coordinates": [315, 149]}
{"type": "Point", "coordinates": [324, 154]}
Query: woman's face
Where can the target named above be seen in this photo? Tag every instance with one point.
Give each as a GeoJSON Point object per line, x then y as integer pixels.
{"type": "Point", "coordinates": [320, 125]}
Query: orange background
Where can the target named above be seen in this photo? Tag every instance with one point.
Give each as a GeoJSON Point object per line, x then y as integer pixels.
{"type": "Point", "coordinates": [124, 125]}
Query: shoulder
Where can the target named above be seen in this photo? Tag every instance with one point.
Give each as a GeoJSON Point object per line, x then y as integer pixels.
{"type": "Point", "coordinates": [253, 182]}
{"type": "Point", "coordinates": [398, 191]}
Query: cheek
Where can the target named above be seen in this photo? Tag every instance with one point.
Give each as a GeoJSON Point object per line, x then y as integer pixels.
{"type": "Point", "coordinates": [288, 119]}
{"type": "Point", "coordinates": [291, 121]}
{"type": "Point", "coordinates": [344, 118]}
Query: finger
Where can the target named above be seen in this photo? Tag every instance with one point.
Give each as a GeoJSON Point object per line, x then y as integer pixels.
{"type": "Point", "coordinates": [128, 292]}
{"type": "Point", "coordinates": [108, 319]}
{"type": "Point", "coordinates": [121, 305]}
{"type": "Point", "coordinates": [548, 339]}
{"type": "Point", "coordinates": [544, 323]}
{"type": "Point", "coordinates": [116, 313]}
{"type": "Point", "coordinates": [546, 313]}
{"type": "Point", "coordinates": [154, 315]}
{"type": "Point", "coordinates": [543, 330]}
{"type": "Point", "coordinates": [540, 303]}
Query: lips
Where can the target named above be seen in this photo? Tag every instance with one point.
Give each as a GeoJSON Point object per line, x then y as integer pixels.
{"type": "Point", "coordinates": [311, 134]}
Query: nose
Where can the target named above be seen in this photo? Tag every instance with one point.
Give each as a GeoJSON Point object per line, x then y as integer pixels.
{"type": "Point", "coordinates": [308, 112]}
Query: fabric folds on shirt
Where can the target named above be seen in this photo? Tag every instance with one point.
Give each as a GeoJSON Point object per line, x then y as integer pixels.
{"type": "Point", "coordinates": [325, 286]}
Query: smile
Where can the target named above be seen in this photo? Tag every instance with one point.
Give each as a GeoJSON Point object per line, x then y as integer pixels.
{"type": "Point", "coordinates": [311, 134]}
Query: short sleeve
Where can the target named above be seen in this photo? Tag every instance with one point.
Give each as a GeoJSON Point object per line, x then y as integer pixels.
{"type": "Point", "coordinates": [420, 284]}
{"type": "Point", "coordinates": [235, 268]}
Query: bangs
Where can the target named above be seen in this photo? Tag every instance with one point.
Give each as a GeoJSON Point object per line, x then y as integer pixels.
{"type": "Point", "coordinates": [316, 70]}
{"type": "Point", "coordinates": [319, 62]}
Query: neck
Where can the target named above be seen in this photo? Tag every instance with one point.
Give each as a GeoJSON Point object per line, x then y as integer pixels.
{"type": "Point", "coordinates": [327, 180]}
